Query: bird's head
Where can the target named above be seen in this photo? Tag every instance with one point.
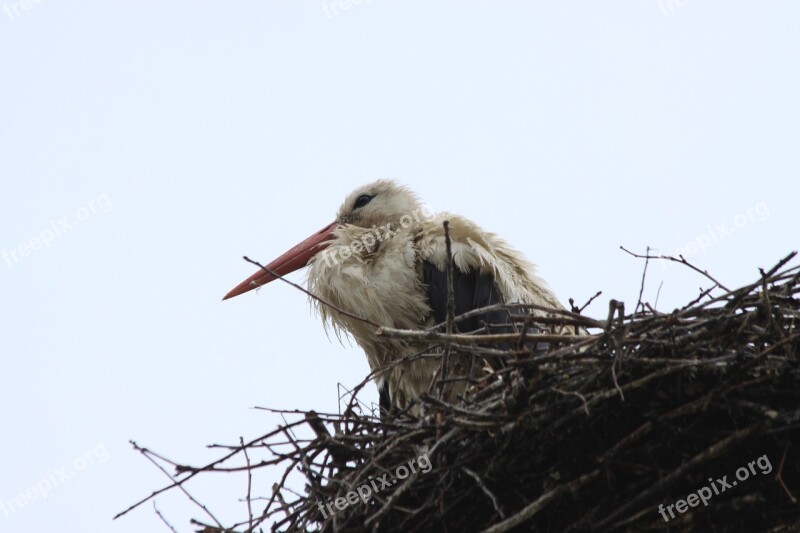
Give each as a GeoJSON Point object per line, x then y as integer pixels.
{"type": "Point", "coordinates": [377, 204]}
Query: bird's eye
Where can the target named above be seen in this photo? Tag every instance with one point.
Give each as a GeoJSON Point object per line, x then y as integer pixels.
{"type": "Point", "coordinates": [363, 200]}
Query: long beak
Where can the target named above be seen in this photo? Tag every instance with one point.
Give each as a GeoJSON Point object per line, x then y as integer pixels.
{"type": "Point", "coordinates": [297, 257]}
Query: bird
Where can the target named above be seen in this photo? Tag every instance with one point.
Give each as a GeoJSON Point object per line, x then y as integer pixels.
{"type": "Point", "coordinates": [383, 260]}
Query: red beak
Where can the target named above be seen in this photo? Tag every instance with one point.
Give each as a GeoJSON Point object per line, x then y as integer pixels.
{"type": "Point", "coordinates": [294, 259]}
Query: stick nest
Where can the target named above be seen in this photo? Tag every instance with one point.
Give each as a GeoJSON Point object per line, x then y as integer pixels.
{"type": "Point", "coordinates": [591, 433]}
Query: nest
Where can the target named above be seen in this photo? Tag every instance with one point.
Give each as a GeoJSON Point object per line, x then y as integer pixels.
{"type": "Point", "coordinates": [688, 420]}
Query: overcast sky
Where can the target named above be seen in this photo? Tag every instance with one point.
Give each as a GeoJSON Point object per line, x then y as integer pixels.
{"type": "Point", "coordinates": [146, 146]}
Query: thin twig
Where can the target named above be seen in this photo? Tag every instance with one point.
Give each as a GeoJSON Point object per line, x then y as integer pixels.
{"type": "Point", "coordinates": [249, 485]}
{"type": "Point", "coordinates": [680, 260]}
{"type": "Point", "coordinates": [311, 294]}
{"type": "Point", "coordinates": [158, 513]}
{"type": "Point", "coordinates": [451, 309]}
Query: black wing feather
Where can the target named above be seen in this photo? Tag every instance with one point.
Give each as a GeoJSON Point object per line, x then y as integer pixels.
{"type": "Point", "coordinates": [470, 290]}
{"type": "Point", "coordinates": [385, 400]}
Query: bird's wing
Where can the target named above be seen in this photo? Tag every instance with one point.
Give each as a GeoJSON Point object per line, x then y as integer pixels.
{"type": "Point", "coordinates": [471, 290]}
{"type": "Point", "coordinates": [486, 269]}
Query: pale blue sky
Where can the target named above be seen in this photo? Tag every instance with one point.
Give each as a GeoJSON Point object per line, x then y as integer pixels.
{"type": "Point", "coordinates": [153, 144]}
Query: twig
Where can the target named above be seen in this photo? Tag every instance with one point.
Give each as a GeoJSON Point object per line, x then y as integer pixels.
{"type": "Point", "coordinates": [451, 309]}
{"type": "Point", "coordinates": [779, 476]}
{"type": "Point", "coordinates": [249, 486]}
{"type": "Point", "coordinates": [311, 294]}
{"type": "Point", "coordinates": [641, 287]}
{"type": "Point", "coordinates": [485, 489]}
{"type": "Point", "coordinates": [145, 453]}
{"type": "Point", "coordinates": [573, 393]}
{"type": "Point", "coordinates": [589, 301]}
{"type": "Point", "coordinates": [158, 513]}
{"type": "Point", "coordinates": [463, 338]}
{"type": "Point", "coordinates": [680, 260]}
{"type": "Point", "coordinates": [537, 505]}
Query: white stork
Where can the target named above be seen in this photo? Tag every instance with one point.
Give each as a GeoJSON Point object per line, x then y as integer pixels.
{"type": "Point", "coordinates": [384, 259]}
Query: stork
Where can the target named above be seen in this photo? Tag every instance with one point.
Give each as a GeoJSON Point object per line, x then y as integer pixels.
{"type": "Point", "coordinates": [384, 259]}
